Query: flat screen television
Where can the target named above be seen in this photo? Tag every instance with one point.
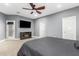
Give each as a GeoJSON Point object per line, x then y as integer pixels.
{"type": "Point", "coordinates": [25, 24]}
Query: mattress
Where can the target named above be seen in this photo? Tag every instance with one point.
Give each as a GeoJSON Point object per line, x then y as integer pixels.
{"type": "Point", "coordinates": [48, 46]}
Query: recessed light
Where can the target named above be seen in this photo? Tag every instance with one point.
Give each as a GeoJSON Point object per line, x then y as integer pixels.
{"type": "Point", "coordinates": [7, 4]}
{"type": "Point", "coordinates": [59, 6]}
{"type": "Point", "coordinates": [18, 12]}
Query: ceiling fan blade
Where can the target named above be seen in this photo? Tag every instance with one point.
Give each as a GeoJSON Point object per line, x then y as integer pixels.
{"type": "Point", "coordinates": [38, 12]}
{"type": "Point", "coordinates": [40, 8]}
{"type": "Point", "coordinates": [31, 13]}
{"type": "Point", "coordinates": [32, 5]}
{"type": "Point", "coordinates": [26, 8]}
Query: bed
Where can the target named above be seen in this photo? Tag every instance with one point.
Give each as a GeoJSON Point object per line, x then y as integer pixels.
{"type": "Point", "coordinates": [48, 46]}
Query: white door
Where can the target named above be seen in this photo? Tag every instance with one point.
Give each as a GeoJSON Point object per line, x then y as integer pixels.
{"type": "Point", "coordinates": [42, 29]}
{"type": "Point", "coordinates": [69, 27]}
{"type": "Point", "coordinates": [42, 26]}
{"type": "Point", "coordinates": [10, 29]}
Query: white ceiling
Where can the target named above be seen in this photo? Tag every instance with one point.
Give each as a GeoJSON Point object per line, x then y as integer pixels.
{"type": "Point", "coordinates": [50, 8]}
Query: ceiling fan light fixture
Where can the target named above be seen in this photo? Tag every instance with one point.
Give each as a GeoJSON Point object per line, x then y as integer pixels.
{"type": "Point", "coordinates": [37, 9]}
{"type": "Point", "coordinates": [35, 14]}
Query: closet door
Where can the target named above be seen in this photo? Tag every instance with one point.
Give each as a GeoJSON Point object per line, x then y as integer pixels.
{"type": "Point", "coordinates": [69, 27]}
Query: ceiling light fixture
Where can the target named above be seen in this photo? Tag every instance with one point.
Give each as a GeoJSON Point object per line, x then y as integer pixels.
{"type": "Point", "coordinates": [35, 14]}
{"type": "Point", "coordinates": [18, 12]}
{"type": "Point", "coordinates": [7, 4]}
{"type": "Point", "coordinates": [59, 6]}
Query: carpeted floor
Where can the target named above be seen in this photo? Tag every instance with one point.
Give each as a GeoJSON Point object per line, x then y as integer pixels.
{"type": "Point", "coordinates": [11, 47]}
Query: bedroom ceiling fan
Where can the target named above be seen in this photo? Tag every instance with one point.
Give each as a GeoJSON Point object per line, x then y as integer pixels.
{"type": "Point", "coordinates": [34, 8]}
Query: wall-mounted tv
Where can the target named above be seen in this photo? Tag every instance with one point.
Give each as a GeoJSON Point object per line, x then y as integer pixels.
{"type": "Point", "coordinates": [25, 24]}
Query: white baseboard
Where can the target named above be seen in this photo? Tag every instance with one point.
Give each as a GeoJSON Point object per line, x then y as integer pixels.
{"type": "Point", "coordinates": [12, 39]}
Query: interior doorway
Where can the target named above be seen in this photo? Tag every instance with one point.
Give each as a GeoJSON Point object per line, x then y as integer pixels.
{"type": "Point", "coordinates": [10, 29]}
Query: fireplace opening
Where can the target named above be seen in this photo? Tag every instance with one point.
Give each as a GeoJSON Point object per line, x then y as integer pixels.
{"type": "Point", "coordinates": [25, 35]}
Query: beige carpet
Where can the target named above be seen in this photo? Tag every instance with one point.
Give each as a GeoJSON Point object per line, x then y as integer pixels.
{"type": "Point", "coordinates": [10, 47]}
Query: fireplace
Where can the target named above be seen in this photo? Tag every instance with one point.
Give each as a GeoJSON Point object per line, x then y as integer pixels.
{"type": "Point", "coordinates": [25, 35]}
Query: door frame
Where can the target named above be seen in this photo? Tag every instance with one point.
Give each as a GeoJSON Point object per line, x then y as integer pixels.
{"type": "Point", "coordinates": [63, 30]}
{"type": "Point", "coordinates": [7, 29]}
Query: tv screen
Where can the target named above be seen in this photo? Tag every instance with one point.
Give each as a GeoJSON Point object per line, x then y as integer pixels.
{"type": "Point", "coordinates": [25, 24]}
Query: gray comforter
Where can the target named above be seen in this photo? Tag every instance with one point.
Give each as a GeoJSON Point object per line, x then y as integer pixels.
{"type": "Point", "coordinates": [48, 46]}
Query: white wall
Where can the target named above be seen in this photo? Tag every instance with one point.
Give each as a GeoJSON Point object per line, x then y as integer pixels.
{"type": "Point", "coordinates": [2, 26]}
{"type": "Point", "coordinates": [17, 23]}
{"type": "Point", "coordinates": [54, 22]}
{"type": "Point", "coordinates": [40, 27]}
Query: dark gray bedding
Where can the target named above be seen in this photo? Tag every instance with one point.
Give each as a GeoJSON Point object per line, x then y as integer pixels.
{"type": "Point", "coordinates": [48, 46]}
